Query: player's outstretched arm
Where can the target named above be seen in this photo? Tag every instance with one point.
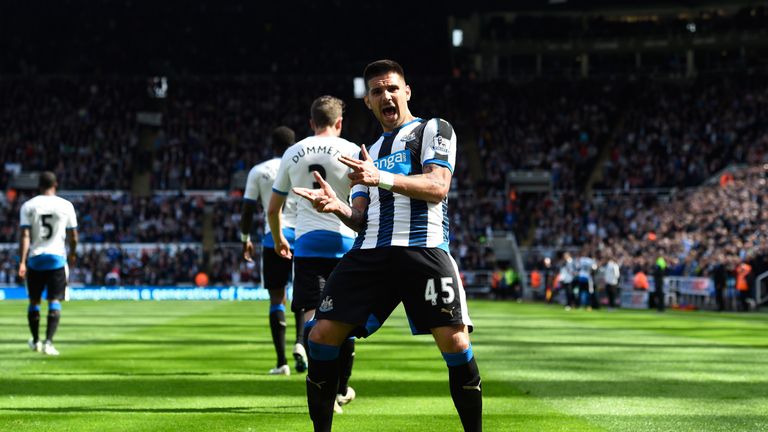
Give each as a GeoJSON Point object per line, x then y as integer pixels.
{"type": "Point", "coordinates": [325, 200]}
{"type": "Point", "coordinates": [432, 186]}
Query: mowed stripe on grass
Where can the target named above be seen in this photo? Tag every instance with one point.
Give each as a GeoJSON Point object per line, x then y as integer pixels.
{"type": "Point", "coordinates": [201, 366]}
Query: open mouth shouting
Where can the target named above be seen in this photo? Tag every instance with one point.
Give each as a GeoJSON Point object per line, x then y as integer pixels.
{"type": "Point", "coordinates": [389, 113]}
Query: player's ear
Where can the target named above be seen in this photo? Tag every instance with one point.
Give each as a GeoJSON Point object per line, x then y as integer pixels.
{"type": "Point", "coordinates": [338, 123]}
{"type": "Point", "coordinates": [407, 92]}
{"type": "Point", "coordinates": [312, 124]}
{"type": "Point", "coordinates": [367, 102]}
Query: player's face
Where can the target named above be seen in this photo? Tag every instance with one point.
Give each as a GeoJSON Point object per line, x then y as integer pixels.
{"type": "Point", "coordinates": [388, 97]}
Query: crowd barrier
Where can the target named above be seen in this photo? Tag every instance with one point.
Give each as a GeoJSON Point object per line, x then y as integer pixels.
{"type": "Point", "coordinates": [682, 291]}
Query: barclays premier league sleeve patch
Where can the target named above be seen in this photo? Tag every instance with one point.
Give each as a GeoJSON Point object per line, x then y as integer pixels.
{"type": "Point", "coordinates": [440, 145]}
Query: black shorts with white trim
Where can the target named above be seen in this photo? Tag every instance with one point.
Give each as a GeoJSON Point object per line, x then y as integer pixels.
{"type": "Point", "coordinates": [368, 284]}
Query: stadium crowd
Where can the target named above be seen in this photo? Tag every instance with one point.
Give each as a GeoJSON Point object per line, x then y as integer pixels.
{"type": "Point", "coordinates": [640, 136]}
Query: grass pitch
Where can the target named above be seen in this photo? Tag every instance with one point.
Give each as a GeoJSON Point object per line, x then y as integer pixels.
{"type": "Point", "coordinates": [201, 366]}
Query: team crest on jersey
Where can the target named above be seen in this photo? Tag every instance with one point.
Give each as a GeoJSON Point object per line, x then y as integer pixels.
{"type": "Point", "coordinates": [410, 137]}
{"type": "Point", "coordinates": [439, 145]}
{"type": "Point", "coordinates": [396, 163]}
{"type": "Point", "coordinates": [326, 305]}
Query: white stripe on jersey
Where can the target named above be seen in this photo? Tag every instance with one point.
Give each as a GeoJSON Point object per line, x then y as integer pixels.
{"type": "Point", "coordinates": [397, 220]}
{"type": "Point", "coordinates": [317, 153]}
{"type": "Point", "coordinates": [259, 187]}
{"type": "Point", "coordinates": [48, 218]}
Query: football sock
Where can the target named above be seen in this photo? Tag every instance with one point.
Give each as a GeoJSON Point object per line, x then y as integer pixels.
{"type": "Point", "coordinates": [54, 314]}
{"type": "Point", "coordinates": [300, 327]}
{"type": "Point", "coordinates": [277, 325]}
{"type": "Point", "coordinates": [33, 318]}
{"type": "Point", "coordinates": [346, 358]}
{"type": "Point", "coordinates": [322, 382]}
{"type": "Point", "coordinates": [466, 392]}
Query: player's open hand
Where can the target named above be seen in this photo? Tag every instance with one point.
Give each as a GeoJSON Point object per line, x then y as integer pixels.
{"type": "Point", "coordinates": [324, 200]}
{"type": "Point", "coordinates": [364, 172]}
{"type": "Point", "coordinates": [283, 248]}
{"type": "Point", "coordinates": [248, 251]}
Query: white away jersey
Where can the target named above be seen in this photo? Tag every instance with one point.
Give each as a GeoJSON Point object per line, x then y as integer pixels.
{"type": "Point", "coordinates": [48, 218]}
{"type": "Point", "coordinates": [396, 220]}
{"type": "Point", "coordinates": [321, 154]}
{"type": "Point", "coordinates": [259, 187]}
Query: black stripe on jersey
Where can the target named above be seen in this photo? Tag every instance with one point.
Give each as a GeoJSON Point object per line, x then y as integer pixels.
{"type": "Point", "coordinates": [386, 199]}
{"type": "Point", "coordinates": [361, 234]}
{"type": "Point", "coordinates": [414, 147]}
{"type": "Point", "coordinates": [445, 129]}
{"type": "Point", "coordinates": [419, 213]}
{"type": "Point", "coordinates": [419, 222]}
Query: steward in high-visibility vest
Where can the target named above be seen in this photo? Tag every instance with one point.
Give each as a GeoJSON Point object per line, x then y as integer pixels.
{"type": "Point", "coordinates": [640, 281]}
{"type": "Point", "coordinates": [742, 271]}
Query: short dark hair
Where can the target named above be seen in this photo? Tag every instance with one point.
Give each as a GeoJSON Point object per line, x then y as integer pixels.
{"type": "Point", "coordinates": [326, 110]}
{"type": "Point", "coordinates": [381, 67]}
{"type": "Point", "coordinates": [46, 180]}
{"type": "Point", "coordinates": [282, 138]}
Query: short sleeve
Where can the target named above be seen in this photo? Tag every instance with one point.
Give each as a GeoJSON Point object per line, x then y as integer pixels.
{"type": "Point", "coordinates": [438, 145]}
{"type": "Point", "coordinates": [24, 217]}
{"type": "Point", "coordinates": [282, 184]}
{"type": "Point", "coordinates": [251, 192]}
{"type": "Point", "coordinates": [359, 191]}
{"type": "Point", "coordinates": [72, 216]}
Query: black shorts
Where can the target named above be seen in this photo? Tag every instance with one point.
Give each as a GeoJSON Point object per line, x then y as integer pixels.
{"type": "Point", "coordinates": [275, 271]}
{"type": "Point", "coordinates": [39, 280]}
{"type": "Point", "coordinates": [368, 284]}
{"type": "Point", "coordinates": [309, 281]}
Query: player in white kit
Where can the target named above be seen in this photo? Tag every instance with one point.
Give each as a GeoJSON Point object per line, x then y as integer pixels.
{"type": "Point", "coordinates": [275, 271]}
{"type": "Point", "coordinates": [48, 223]}
{"type": "Point", "coordinates": [321, 239]}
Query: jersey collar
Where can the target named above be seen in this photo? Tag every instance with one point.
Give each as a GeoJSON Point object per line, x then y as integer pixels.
{"type": "Point", "coordinates": [386, 134]}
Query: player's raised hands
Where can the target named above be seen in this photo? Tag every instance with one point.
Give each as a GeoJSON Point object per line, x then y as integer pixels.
{"type": "Point", "coordinates": [364, 172]}
{"type": "Point", "coordinates": [324, 200]}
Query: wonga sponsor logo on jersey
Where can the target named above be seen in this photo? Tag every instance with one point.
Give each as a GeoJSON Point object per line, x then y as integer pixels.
{"type": "Point", "coordinates": [396, 163]}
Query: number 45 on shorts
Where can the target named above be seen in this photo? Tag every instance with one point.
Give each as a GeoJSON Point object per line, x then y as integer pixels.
{"type": "Point", "coordinates": [430, 294]}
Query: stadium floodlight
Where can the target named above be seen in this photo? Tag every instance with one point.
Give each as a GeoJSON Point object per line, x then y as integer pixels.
{"type": "Point", "coordinates": [158, 87]}
{"type": "Point", "coordinates": [691, 27]}
{"type": "Point", "coordinates": [358, 84]}
{"type": "Point", "coordinates": [457, 37]}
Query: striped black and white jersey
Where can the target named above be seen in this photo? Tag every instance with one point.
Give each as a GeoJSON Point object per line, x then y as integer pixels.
{"type": "Point", "coordinates": [393, 219]}
{"type": "Point", "coordinates": [258, 187]}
